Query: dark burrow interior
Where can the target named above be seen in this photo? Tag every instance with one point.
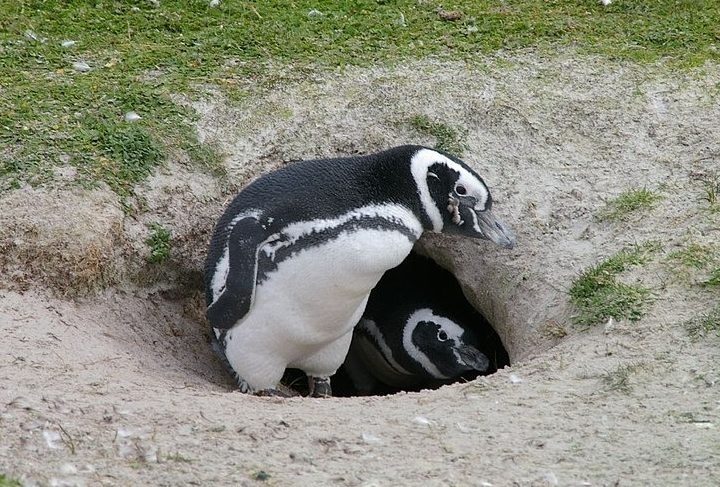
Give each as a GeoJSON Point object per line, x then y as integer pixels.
{"type": "Point", "coordinates": [418, 332]}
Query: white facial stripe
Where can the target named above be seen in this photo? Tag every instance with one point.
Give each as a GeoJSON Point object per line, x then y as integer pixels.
{"type": "Point", "coordinates": [474, 188]}
{"type": "Point", "coordinates": [419, 165]}
{"type": "Point", "coordinates": [374, 331]}
{"type": "Point", "coordinates": [296, 230]}
{"type": "Point", "coordinates": [475, 223]}
{"type": "Point", "coordinates": [453, 330]}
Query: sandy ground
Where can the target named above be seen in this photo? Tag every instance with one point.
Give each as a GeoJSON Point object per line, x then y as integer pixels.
{"type": "Point", "coordinates": [119, 387]}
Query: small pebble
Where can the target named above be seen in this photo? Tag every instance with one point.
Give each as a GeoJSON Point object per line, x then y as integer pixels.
{"type": "Point", "coordinates": [68, 469]}
{"type": "Point", "coordinates": [550, 479]}
{"type": "Point", "coordinates": [31, 35]}
{"type": "Point", "coordinates": [81, 66]}
{"type": "Point", "coordinates": [609, 325]}
{"type": "Point", "coordinates": [132, 116]}
{"type": "Point", "coordinates": [370, 438]}
{"type": "Point", "coordinates": [515, 379]}
{"type": "Point", "coordinates": [51, 438]}
{"type": "Point", "coordinates": [123, 433]}
{"type": "Point", "coordinates": [314, 13]}
{"type": "Point", "coordinates": [67, 43]}
{"type": "Point", "coordinates": [422, 420]}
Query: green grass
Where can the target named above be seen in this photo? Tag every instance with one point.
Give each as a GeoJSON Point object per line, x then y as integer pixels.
{"type": "Point", "coordinates": [711, 191]}
{"type": "Point", "coordinates": [261, 476]}
{"type": "Point", "coordinates": [705, 324]}
{"type": "Point", "coordinates": [629, 201]}
{"type": "Point", "coordinates": [714, 280]}
{"type": "Point", "coordinates": [6, 481]}
{"type": "Point", "coordinates": [447, 138]}
{"type": "Point", "coordinates": [159, 243]}
{"type": "Point", "coordinates": [704, 258]}
{"type": "Point", "coordinates": [694, 255]}
{"type": "Point", "coordinates": [598, 295]}
{"type": "Point", "coordinates": [142, 55]}
{"type": "Point", "coordinates": [177, 457]}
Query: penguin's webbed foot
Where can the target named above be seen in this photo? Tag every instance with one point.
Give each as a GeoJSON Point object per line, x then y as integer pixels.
{"type": "Point", "coordinates": [319, 386]}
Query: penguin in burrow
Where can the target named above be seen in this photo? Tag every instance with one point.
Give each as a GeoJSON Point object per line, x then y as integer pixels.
{"type": "Point", "coordinates": [293, 258]}
{"type": "Point", "coordinates": [418, 331]}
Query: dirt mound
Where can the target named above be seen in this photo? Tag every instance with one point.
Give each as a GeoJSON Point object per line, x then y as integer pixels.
{"type": "Point", "coordinates": [64, 240]}
{"type": "Point", "coordinates": [120, 388]}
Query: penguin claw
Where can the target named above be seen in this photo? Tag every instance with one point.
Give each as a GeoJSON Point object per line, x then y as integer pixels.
{"type": "Point", "coordinates": [319, 387]}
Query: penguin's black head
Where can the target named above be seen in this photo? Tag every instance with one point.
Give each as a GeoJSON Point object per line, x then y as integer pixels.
{"type": "Point", "coordinates": [442, 348]}
{"type": "Point", "coordinates": [455, 198]}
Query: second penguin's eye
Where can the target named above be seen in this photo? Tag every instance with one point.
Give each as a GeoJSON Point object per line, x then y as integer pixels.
{"type": "Point", "coordinates": [442, 336]}
{"type": "Point", "coordinates": [460, 189]}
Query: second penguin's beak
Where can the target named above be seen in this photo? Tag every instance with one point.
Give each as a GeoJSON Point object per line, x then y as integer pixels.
{"type": "Point", "coordinates": [493, 229]}
{"type": "Point", "coordinates": [473, 358]}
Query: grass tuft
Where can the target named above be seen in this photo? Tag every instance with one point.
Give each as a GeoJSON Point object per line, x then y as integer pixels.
{"type": "Point", "coordinates": [126, 154]}
{"type": "Point", "coordinates": [711, 191]}
{"type": "Point", "coordinates": [628, 202]}
{"type": "Point", "coordinates": [698, 257]}
{"type": "Point", "coordinates": [694, 255]}
{"type": "Point", "coordinates": [714, 279]}
{"type": "Point", "coordinates": [177, 457]}
{"type": "Point", "coordinates": [447, 138]}
{"type": "Point", "coordinates": [6, 481]}
{"type": "Point", "coordinates": [261, 476]}
{"type": "Point", "coordinates": [598, 295]}
{"type": "Point", "coordinates": [705, 324]}
{"type": "Point", "coordinates": [619, 379]}
{"type": "Point", "coordinates": [159, 243]}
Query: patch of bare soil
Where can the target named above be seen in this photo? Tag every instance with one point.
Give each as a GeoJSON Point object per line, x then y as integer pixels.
{"type": "Point", "coordinates": [121, 388]}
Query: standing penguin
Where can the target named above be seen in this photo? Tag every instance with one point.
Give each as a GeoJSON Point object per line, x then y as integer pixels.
{"type": "Point", "coordinates": [294, 257]}
{"type": "Point", "coordinates": [419, 331]}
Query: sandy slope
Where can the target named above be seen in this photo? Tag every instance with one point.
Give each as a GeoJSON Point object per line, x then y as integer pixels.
{"type": "Point", "coordinates": [120, 388]}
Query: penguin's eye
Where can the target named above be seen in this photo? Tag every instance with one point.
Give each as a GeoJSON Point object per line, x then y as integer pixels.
{"type": "Point", "coordinates": [442, 336]}
{"type": "Point", "coordinates": [460, 189]}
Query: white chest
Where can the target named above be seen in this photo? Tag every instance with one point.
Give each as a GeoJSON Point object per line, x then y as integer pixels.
{"type": "Point", "coordinates": [315, 296]}
{"type": "Point", "coordinates": [306, 304]}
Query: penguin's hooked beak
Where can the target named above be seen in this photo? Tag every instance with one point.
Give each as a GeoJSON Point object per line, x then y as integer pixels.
{"type": "Point", "coordinates": [473, 358]}
{"type": "Point", "coordinates": [493, 229]}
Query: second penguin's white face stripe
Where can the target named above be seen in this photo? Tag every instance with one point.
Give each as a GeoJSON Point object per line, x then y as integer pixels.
{"type": "Point", "coordinates": [453, 330]}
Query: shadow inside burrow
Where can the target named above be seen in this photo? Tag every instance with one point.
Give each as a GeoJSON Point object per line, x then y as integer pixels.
{"type": "Point", "coordinates": [394, 353]}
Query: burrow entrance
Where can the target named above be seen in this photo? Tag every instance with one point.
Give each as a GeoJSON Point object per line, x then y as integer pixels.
{"type": "Point", "coordinates": [419, 331]}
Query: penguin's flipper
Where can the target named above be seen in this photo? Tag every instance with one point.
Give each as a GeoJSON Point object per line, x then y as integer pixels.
{"type": "Point", "coordinates": [235, 300]}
